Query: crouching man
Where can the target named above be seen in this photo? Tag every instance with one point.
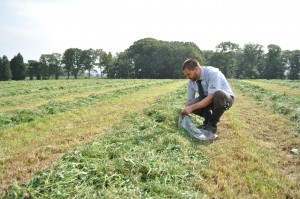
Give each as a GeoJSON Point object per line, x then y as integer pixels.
{"type": "Point", "coordinates": [215, 94]}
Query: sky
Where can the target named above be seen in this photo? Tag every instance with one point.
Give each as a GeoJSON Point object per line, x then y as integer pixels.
{"type": "Point", "coordinates": [36, 27]}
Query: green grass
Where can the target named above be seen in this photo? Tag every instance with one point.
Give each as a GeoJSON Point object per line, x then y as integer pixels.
{"type": "Point", "coordinates": [284, 99]}
{"type": "Point", "coordinates": [144, 155]}
{"type": "Point", "coordinates": [27, 146]}
{"type": "Point", "coordinates": [14, 117]}
{"type": "Point", "coordinates": [125, 143]}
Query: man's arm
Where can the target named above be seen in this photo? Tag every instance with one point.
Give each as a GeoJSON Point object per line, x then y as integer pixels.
{"type": "Point", "coordinates": [202, 104]}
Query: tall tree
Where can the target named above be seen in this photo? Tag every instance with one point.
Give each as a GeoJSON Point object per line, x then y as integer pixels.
{"type": "Point", "coordinates": [5, 72]}
{"type": "Point", "coordinates": [50, 65]}
{"type": "Point", "coordinates": [34, 69]}
{"type": "Point", "coordinates": [68, 60]}
{"type": "Point", "coordinates": [45, 69]}
{"type": "Point", "coordinates": [107, 62]}
{"type": "Point", "coordinates": [294, 67]}
{"type": "Point", "coordinates": [207, 55]}
{"type": "Point", "coordinates": [123, 66]}
{"type": "Point", "coordinates": [18, 68]}
{"type": "Point", "coordinates": [100, 59]}
{"type": "Point", "coordinates": [77, 62]}
{"type": "Point", "coordinates": [88, 58]}
{"type": "Point", "coordinates": [72, 61]}
{"type": "Point", "coordinates": [55, 65]}
{"type": "Point", "coordinates": [143, 51]}
{"type": "Point", "coordinates": [160, 59]}
{"type": "Point", "coordinates": [273, 66]}
{"type": "Point", "coordinates": [250, 60]}
{"type": "Point", "coordinates": [225, 58]}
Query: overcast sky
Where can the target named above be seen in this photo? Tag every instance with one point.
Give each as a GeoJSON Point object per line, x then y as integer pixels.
{"type": "Point", "coordinates": [35, 27]}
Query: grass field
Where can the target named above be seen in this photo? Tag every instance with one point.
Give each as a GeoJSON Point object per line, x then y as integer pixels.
{"type": "Point", "coordinates": [103, 138]}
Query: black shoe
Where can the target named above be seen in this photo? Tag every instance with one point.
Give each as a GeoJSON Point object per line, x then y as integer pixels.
{"type": "Point", "coordinates": [210, 127]}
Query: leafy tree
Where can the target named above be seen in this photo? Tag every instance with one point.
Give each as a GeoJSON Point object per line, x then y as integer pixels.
{"type": "Point", "coordinates": [273, 66]}
{"type": "Point", "coordinates": [250, 60]}
{"type": "Point", "coordinates": [5, 72]}
{"type": "Point", "coordinates": [34, 69]}
{"type": "Point", "coordinates": [88, 58]}
{"type": "Point", "coordinates": [99, 57]}
{"type": "Point", "coordinates": [142, 51]}
{"type": "Point", "coordinates": [45, 72]}
{"type": "Point", "coordinates": [68, 60]}
{"type": "Point", "coordinates": [50, 65]}
{"type": "Point", "coordinates": [72, 61]}
{"type": "Point", "coordinates": [207, 55]}
{"type": "Point", "coordinates": [225, 58]}
{"type": "Point", "coordinates": [123, 66]}
{"type": "Point", "coordinates": [286, 56]}
{"type": "Point", "coordinates": [217, 60]}
{"type": "Point", "coordinates": [152, 58]}
{"type": "Point", "coordinates": [18, 68]}
{"type": "Point", "coordinates": [77, 62]}
{"type": "Point", "coordinates": [108, 62]}
{"type": "Point", "coordinates": [55, 65]}
{"type": "Point", "coordinates": [294, 65]}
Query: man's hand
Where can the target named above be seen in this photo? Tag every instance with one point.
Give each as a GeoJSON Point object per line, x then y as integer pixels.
{"type": "Point", "coordinates": [187, 110]}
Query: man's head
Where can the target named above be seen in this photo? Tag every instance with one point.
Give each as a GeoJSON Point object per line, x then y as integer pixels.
{"type": "Point", "coordinates": [191, 69]}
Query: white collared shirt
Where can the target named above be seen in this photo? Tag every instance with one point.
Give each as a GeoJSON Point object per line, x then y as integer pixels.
{"type": "Point", "coordinates": [212, 80]}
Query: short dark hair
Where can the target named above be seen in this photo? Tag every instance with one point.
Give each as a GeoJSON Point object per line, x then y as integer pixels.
{"type": "Point", "coordinates": [190, 64]}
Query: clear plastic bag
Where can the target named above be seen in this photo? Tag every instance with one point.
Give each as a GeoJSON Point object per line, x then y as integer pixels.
{"type": "Point", "coordinates": [186, 123]}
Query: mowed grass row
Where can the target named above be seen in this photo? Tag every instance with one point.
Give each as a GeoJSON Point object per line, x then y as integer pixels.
{"type": "Point", "coordinates": [291, 84]}
{"type": "Point", "coordinates": [282, 97]}
{"type": "Point", "coordinates": [27, 113]}
{"type": "Point", "coordinates": [34, 91]}
{"type": "Point", "coordinates": [145, 155]}
{"type": "Point", "coordinates": [12, 88]}
{"type": "Point", "coordinates": [288, 87]}
{"type": "Point", "coordinates": [27, 146]}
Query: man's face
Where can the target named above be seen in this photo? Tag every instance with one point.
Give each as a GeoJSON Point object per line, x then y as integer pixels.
{"type": "Point", "coordinates": [192, 74]}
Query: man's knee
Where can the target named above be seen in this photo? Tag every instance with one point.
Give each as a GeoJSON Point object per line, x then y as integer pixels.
{"type": "Point", "coordinates": [220, 99]}
{"type": "Point", "coordinates": [219, 94]}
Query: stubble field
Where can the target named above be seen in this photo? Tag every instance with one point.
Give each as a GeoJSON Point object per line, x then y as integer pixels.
{"type": "Point", "coordinates": [119, 139]}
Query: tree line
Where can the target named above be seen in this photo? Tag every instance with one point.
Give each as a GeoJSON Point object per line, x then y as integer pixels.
{"type": "Point", "coordinates": [152, 58]}
{"type": "Point", "coordinates": [51, 66]}
{"type": "Point", "coordinates": [252, 62]}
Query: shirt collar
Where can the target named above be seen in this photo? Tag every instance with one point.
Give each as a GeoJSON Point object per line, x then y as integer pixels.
{"type": "Point", "coordinates": [202, 73]}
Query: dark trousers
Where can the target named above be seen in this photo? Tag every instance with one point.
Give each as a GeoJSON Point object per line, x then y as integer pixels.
{"type": "Point", "coordinates": [222, 101]}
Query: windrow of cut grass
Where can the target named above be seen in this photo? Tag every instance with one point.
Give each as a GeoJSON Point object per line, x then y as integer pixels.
{"type": "Point", "coordinates": [44, 90]}
{"type": "Point", "coordinates": [60, 90]}
{"type": "Point", "coordinates": [290, 84]}
{"type": "Point", "coordinates": [26, 147]}
{"type": "Point", "coordinates": [141, 153]}
{"type": "Point", "coordinates": [281, 98]}
{"type": "Point", "coordinates": [288, 87]}
{"type": "Point", "coordinates": [22, 115]}
{"type": "Point", "coordinates": [24, 88]}
{"type": "Point", "coordinates": [144, 155]}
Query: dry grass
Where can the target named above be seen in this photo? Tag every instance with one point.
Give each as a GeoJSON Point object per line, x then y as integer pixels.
{"type": "Point", "coordinates": [252, 157]}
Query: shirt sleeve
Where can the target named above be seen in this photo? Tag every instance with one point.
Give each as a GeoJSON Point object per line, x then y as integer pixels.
{"type": "Point", "coordinates": [191, 93]}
